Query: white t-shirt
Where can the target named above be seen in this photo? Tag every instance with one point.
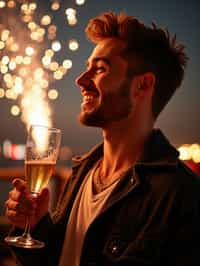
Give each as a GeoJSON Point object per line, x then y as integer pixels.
{"type": "Point", "coordinates": [85, 209]}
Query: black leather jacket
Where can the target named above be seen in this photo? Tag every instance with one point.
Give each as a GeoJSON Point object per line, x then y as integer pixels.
{"type": "Point", "coordinates": [151, 218]}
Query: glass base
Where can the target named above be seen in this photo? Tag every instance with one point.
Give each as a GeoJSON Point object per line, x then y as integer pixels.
{"type": "Point", "coordinates": [10, 239]}
{"type": "Point", "coordinates": [24, 242]}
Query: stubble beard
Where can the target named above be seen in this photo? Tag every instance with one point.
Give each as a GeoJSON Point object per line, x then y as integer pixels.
{"type": "Point", "coordinates": [113, 107]}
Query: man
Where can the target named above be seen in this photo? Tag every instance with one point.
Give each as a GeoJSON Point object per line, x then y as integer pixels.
{"type": "Point", "coordinates": [129, 201]}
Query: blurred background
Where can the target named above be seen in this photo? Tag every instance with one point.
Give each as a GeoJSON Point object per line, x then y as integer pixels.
{"type": "Point", "coordinates": [43, 49]}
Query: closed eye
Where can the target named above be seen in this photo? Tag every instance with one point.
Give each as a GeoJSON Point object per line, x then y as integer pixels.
{"type": "Point", "coordinates": [100, 70]}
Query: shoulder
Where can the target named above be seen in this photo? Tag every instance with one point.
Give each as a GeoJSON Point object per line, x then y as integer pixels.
{"type": "Point", "coordinates": [178, 181]}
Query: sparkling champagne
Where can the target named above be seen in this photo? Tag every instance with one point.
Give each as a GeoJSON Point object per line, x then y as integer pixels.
{"type": "Point", "coordinates": [38, 174]}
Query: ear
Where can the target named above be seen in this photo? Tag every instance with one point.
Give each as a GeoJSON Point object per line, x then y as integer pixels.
{"type": "Point", "coordinates": [144, 84]}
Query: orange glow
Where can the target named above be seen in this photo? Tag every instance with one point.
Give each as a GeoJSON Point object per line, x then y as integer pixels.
{"type": "Point", "coordinates": [26, 60]}
{"type": "Point", "coordinates": [38, 73]}
{"type": "Point", "coordinates": [46, 20]}
{"type": "Point", "coordinates": [11, 4]}
{"type": "Point", "coordinates": [4, 35]}
{"type": "Point", "coordinates": [53, 66]}
{"type": "Point", "coordinates": [58, 75]}
{"type": "Point", "coordinates": [2, 93]}
{"type": "Point", "coordinates": [32, 26]}
{"type": "Point", "coordinates": [19, 59]}
{"type": "Point", "coordinates": [49, 53]}
{"type": "Point", "coordinates": [190, 152]}
{"type": "Point", "coordinates": [55, 6]}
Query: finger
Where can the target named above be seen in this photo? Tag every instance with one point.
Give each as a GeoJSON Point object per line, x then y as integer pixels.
{"type": "Point", "coordinates": [19, 184]}
{"type": "Point", "coordinates": [21, 208]}
{"type": "Point", "coordinates": [10, 214]}
{"type": "Point", "coordinates": [16, 219]}
{"type": "Point", "coordinates": [15, 195]}
{"type": "Point", "coordinates": [43, 196]}
{"type": "Point", "coordinates": [19, 195]}
{"type": "Point", "coordinates": [11, 204]}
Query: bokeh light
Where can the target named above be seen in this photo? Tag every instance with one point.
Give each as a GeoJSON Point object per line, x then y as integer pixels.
{"type": "Point", "coordinates": [70, 12]}
{"type": "Point", "coordinates": [190, 152]}
{"type": "Point", "coordinates": [2, 4]}
{"type": "Point", "coordinates": [56, 46]}
{"type": "Point", "coordinates": [53, 94]}
{"type": "Point", "coordinates": [73, 45]}
{"type": "Point", "coordinates": [46, 20]}
{"type": "Point", "coordinates": [11, 4]}
{"type": "Point", "coordinates": [2, 45]}
{"type": "Point", "coordinates": [55, 5]}
{"type": "Point", "coordinates": [2, 92]}
{"type": "Point", "coordinates": [67, 63]}
{"type": "Point", "coordinates": [80, 2]}
{"type": "Point", "coordinates": [15, 110]}
{"type": "Point", "coordinates": [71, 16]}
{"type": "Point", "coordinates": [5, 60]}
{"type": "Point", "coordinates": [29, 50]}
{"type": "Point", "coordinates": [29, 61]}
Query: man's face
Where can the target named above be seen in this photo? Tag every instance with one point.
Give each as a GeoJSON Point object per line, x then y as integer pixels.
{"type": "Point", "coordinates": [105, 86]}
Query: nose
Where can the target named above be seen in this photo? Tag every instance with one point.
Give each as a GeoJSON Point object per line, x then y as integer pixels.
{"type": "Point", "coordinates": [83, 79]}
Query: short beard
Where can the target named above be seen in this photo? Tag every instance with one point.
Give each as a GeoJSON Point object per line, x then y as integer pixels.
{"type": "Point", "coordinates": [114, 107]}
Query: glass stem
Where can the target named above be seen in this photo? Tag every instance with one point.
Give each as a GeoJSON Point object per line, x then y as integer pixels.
{"type": "Point", "coordinates": [27, 229]}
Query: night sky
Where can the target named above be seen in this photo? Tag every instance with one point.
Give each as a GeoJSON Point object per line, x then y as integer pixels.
{"type": "Point", "coordinates": [179, 120]}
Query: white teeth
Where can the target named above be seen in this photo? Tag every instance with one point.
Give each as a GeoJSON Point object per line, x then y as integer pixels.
{"type": "Point", "coordinates": [88, 98]}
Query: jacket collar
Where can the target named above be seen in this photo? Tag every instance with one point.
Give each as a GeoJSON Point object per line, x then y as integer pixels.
{"type": "Point", "coordinates": [157, 152]}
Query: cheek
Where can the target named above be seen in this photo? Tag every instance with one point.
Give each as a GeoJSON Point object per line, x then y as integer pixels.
{"type": "Point", "coordinates": [108, 84]}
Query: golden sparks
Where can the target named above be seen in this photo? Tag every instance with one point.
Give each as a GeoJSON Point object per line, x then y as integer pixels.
{"type": "Point", "coordinates": [29, 56]}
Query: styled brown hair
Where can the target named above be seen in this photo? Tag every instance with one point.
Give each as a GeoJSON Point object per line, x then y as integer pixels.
{"type": "Point", "coordinates": [148, 49]}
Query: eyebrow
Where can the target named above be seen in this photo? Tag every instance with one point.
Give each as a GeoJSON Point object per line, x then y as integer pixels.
{"type": "Point", "coordinates": [97, 59]}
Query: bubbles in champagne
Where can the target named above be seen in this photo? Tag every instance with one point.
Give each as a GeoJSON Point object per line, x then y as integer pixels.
{"type": "Point", "coordinates": [38, 174]}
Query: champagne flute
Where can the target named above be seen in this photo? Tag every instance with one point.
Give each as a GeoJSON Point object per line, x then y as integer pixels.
{"type": "Point", "coordinates": [42, 149]}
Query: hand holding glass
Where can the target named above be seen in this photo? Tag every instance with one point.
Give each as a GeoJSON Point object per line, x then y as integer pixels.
{"type": "Point", "coordinates": [42, 149]}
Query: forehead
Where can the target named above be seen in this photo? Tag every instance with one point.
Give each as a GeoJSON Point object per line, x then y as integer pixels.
{"type": "Point", "coordinates": [108, 48]}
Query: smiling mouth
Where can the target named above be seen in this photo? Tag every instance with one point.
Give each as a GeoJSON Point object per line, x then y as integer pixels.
{"type": "Point", "coordinates": [89, 101]}
{"type": "Point", "coordinates": [89, 98]}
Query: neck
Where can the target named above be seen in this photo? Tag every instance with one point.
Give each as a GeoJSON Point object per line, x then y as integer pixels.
{"type": "Point", "coordinates": [123, 146]}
